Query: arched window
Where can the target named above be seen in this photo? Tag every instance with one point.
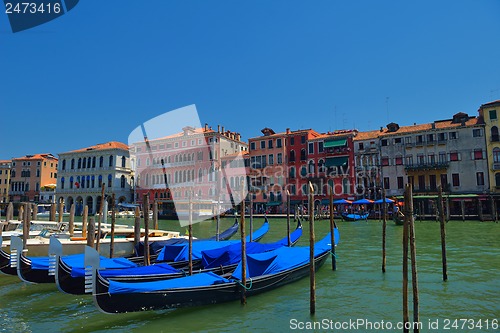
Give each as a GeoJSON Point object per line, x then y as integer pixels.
{"type": "Point", "coordinates": [99, 180]}
{"type": "Point", "coordinates": [311, 167]}
{"type": "Point", "coordinates": [77, 183]}
{"type": "Point", "coordinates": [88, 181]}
{"type": "Point", "coordinates": [93, 162]}
{"type": "Point", "coordinates": [494, 134]}
{"type": "Point", "coordinates": [496, 155]}
{"type": "Point", "coordinates": [92, 181]}
{"type": "Point", "coordinates": [303, 154]}
{"type": "Point", "coordinates": [122, 181]}
{"type": "Point", "coordinates": [321, 166]}
{"type": "Point", "coordinates": [72, 163]}
{"type": "Point", "coordinates": [79, 163]}
{"type": "Point", "coordinates": [71, 182]}
{"type": "Point", "coordinates": [200, 175]}
{"type": "Point", "coordinates": [101, 161]}
{"type": "Point", "coordinates": [64, 165]}
{"type": "Point", "coordinates": [292, 172]}
{"type": "Point", "coordinates": [84, 164]}
{"type": "Point", "coordinates": [83, 182]}
{"type": "Point", "coordinates": [292, 155]}
{"type": "Point", "coordinates": [62, 183]}
{"type": "Point", "coordinates": [109, 180]}
{"type": "Point", "coordinates": [111, 161]}
{"type": "Point", "coordinates": [124, 160]}
{"type": "Point", "coordinates": [303, 171]}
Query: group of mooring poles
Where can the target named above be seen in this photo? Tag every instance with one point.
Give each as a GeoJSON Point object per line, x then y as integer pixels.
{"type": "Point", "coordinates": [411, 252]}
{"type": "Point", "coordinates": [312, 266]}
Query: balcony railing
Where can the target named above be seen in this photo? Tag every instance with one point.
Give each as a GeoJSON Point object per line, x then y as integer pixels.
{"type": "Point", "coordinates": [427, 166]}
{"type": "Point", "coordinates": [496, 166]}
{"type": "Point", "coordinates": [495, 138]}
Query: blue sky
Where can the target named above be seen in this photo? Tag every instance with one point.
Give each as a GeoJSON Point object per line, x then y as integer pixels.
{"type": "Point", "coordinates": [105, 67]}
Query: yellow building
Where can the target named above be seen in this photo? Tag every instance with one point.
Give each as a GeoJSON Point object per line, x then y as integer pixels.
{"type": "Point", "coordinates": [5, 167]}
{"type": "Point", "coordinates": [490, 113]}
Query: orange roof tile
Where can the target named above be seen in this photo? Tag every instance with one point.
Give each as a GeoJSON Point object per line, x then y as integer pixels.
{"type": "Point", "coordinates": [103, 146]}
{"type": "Point", "coordinates": [36, 157]}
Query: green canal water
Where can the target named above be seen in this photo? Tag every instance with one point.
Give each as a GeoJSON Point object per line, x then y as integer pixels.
{"type": "Point", "coordinates": [358, 290]}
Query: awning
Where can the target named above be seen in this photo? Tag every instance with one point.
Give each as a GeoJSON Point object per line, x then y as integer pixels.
{"type": "Point", "coordinates": [336, 161]}
{"type": "Point", "coordinates": [274, 203]}
{"type": "Point", "coordinates": [335, 143]}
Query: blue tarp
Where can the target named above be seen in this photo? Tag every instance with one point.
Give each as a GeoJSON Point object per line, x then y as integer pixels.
{"type": "Point", "coordinates": [231, 254]}
{"type": "Point", "coordinates": [196, 280]}
{"type": "Point", "coordinates": [142, 270]}
{"type": "Point", "coordinates": [76, 262]}
{"type": "Point", "coordinates": [180, 252]}
{"type": "Point", "coordinates": [281, 259]}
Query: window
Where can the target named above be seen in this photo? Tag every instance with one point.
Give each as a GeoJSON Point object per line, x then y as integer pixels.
{"type": "Point", "coordinates": [271, 159]}
{"type": "Point", "coordinates": [292, 172]}
{"type": "Point", "coordinates": [93, 162]}
{"type": "Point", "coordinates": [64, 164]}
{"type": "Point", "coordinates": [385, 161]}
{"type": "Point", "coordinates": [409, 160]}
{"type": "Point", "coordinates": [62, 183]}
{"type": "Point", "coordinates": [441, 137]}
{"type": "Point", "coordinates": [262, 144]}
{"type": "Point", "coordinates": [494, 134]}
{"type": "Point", "coordinates": [432, 182]}
{"type": "Point", "coordinates": [496, 155]}
{"type": "Point", "coordinates": [497, 179]}
{"type": "Point", "coordinates": [384, 142]}
{"type": "Point", "coordinates": [292, 141]}
{"type": "Point", "coordinates": [311, 148]}
{"type": "Point", "coordinates": [303, 171]}
{"type": "Point", "coordinates": [431, 158]}
{"type": "Point", "coordinates": [408, 140]}
{"type": "Point", "coordinates": [398, 160]}
{"type": "Point", "coordinates": [361, 146]}
{"type": "Point", "coordinates": [493, 114]}
{"type": "Point", "coordinates": [453, 135]}
{"type": "Point", "coordinates": [293, 189]}
{"type": "Point", "coordinates": [101, 161]}
{"type": "Point", "coordinates": [123, 161]}
{"type": "Point", "coordinates": [477, 132]}
{"type": "Point", "coordinates": [79, 163]}
{"type": "Point", "coordinates": [122, 181]}
{"type": "Point", "coordinates": [280, 158]}
{"type": "Point", "coordinates": [320, 147]}
{"type": "Point", "coordinates": [278, 143]}
{"type": "Point", "coordinates": [478, 154]}
{"type": "Point", "coordinates": [444, 180]}
{"type": "Point", "coordinates": [421, 159]}
{"type": "Point", "coordinates": [400, 182]}
{"type": "Point", "coordinates": [110, 178]}
{"type": "Point", "coordinates": [454, 156]}
{"type": "Point", "coordinates": [421, 182]}
{"type": "Point", "coordinates": [252, 145]}
{"type": "Point", "coordinates": [302, 154]}
{"type": "Point", "coordinates": [111, 161]}
{"type": "Point", "coordinates": [419, 139]}
{"type": "Point", "coordinates": [386, 183]}
{"type": "Point", "coordinates": [303, 139]}
{"type": "Point", "coordinates": [442, 157]}
{"type": "Point", "coordinates": [480, 178]}
{"type": "Point", "coordinates": [292, 156]}
{"type": "Point", "coordinates": [398, 141]}
{"type": "Point", "coordinates": [270, 144]}
{"type": "Point", "coordinates": [84, 164]}
{"type": "Point", "coordinates": [455, 179]}
{"type": "Point", "coordinates": [311, 167]}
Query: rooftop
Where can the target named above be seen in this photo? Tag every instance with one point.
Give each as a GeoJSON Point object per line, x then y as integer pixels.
{"type": "Point", "coordinates": [102, 146]}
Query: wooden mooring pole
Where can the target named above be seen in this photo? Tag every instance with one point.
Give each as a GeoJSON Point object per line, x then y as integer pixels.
{"type": "Point", "coordinates": [113, 222]}
{"type": "Point", "coordinates": [137, 226]}
{"type": "Point", "coordinates": [20, 214]}
{"type": "Point", "coordinates": [414, 275]}
{"type": "Point", "coordinates": [155, 215]}
{"type": "Point", "coordinates": [332, 231]}
{"type": "Point", "coordinates": [61, 210]}
{"type": "Point", "coordinates": [288, 218]}
{"type": "Point", "coordinates": [312, 271]}
{"type": "Point", "coordinates": [26, 224]}
{"type": "Point", "coordinates": [91, 232]}
{"type": "Point", "coordinates": [384, 230]}
{"type": "Point", "coordinates": [407, 213]}
{"type": "Point", "coordinates": [71, 228]}
{"type": "Point", "coordinates": [443, 234]}
{"type": "Point", "coordinates": [52, 214]}
{"type": "Point", "coordinates": [145, 212]}
{"type": "Point", "coordinates": [243, 249]}
{"type": "Point", "coordinates": [99, 219]}
{"type": "Point", "coordinates": [190, 231]}
{"type": "Point", "coordinates": [251, 217]}
{"type": "Point", "coordinates": [34, 211]}
{"type": "Point", "coordinates": [10, 212]}
{"type": "Point", "coordinates": [84, 220]}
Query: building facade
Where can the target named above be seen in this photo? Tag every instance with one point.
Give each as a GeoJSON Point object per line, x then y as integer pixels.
{"type": "Point", "coordinates": [170, 167]}
{"type": "Point", "coordinates": [82, 173]}
{"type": "Point", "coordinates": [5, 169]}
{"type": "Point", "coordinates": [29, 173]}
{"type": "Point", "coordinates": [489, 113]}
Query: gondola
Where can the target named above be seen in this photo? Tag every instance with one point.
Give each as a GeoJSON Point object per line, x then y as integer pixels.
{"type": "Point", "coordinates": [37, 269]}
{"type": "Point", "coordinates": [220, 260]}
{"type": "Point", "coordinates": [354, 216]}
{"type": "Point", "coordinates": [265, 271]}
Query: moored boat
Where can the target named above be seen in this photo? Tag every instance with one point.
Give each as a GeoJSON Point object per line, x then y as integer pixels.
{"type": "Point", "coordinates": [354, 216]}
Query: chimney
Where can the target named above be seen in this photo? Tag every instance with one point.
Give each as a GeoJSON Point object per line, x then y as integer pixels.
{"type": "Point", "coordinates": [238, 137]}
{"type": "Point", "coordinates": [206, 127]}
{"type": "Point", "coordinates": [287, 131]}
{"type": "Point", "coordinates": [218, 128]}
{"type": "Point", "coordinates": [433, 125]}
{"type": "Point", "coordinates": [222, 130]}
{"type": "Point", "coordinates": [381, 129]}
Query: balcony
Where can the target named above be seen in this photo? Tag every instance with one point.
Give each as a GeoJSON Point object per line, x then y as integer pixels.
{"type": "Point", "coordinates": [419, 143]}
{"type": "Point", "coordinates": [442, 141]}
{"type": "Point", "coordinates": [427, 166]}
{"type": "Point", "coordinates": [495, 138]}
{"type": "Point", "coordinates": [496, 166]}
{"type": "Point", "coordinates": [431, 142]}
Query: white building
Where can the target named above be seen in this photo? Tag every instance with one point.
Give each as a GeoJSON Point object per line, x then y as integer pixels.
{"type": "Point", "coordinates": [82, 172]}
